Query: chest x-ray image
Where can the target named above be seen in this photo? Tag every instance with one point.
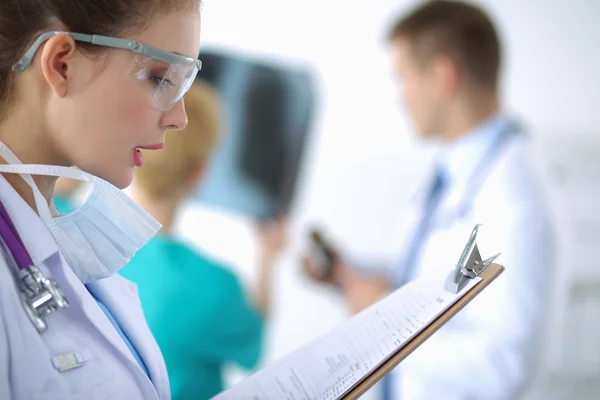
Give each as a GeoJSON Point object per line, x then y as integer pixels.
{"type": "Point", "coordinates": [267, 115]}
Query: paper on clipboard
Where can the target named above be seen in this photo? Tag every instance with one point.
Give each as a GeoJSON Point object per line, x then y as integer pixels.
{"type": "Point", "coordinates": [330, 366]}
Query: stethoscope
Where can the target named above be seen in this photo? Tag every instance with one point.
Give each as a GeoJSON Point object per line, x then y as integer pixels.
{"type": "Point", "coordinates": [445, 218]}
{"type": "Point", "coordinates": [508, 131]}
{"type": "Point", "coordinates": [39, 295]}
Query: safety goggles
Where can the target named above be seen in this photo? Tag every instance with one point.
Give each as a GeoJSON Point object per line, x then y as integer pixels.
{"type": "Point", "coordinates": [167, 76]}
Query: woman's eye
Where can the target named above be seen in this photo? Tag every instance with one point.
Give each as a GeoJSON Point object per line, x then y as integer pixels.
{"type": "Point", "coordinates": [156, 80]}
{"type": "Point", "coordinates": [161, 82]}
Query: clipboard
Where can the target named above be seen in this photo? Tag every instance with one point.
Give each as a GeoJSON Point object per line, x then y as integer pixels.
{"type": "Point", "coordinates": [469, 266]}
{"type": "Point", "coordinates": [468, 279]}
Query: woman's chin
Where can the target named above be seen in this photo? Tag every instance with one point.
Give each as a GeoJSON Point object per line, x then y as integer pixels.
{"type": "Point", "coordinates": [121, 179]}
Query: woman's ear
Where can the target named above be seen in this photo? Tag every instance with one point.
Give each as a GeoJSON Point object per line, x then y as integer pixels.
{"type": "Point", "coordinates": [56, 62]}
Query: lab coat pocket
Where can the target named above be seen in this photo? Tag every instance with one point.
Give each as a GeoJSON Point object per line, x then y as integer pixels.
{"type": "Point", "coordinates": [104, 391]}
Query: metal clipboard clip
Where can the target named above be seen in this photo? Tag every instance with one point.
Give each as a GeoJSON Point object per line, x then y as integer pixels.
{"type": "Point", "coordinates": [469, 266]}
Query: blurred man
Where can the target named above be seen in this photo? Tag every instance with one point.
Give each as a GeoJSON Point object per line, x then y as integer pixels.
{"type": "Point", "coordinates": [447, 56]}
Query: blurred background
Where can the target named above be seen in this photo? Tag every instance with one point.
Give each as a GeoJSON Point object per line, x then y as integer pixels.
{"type": "Point", "coordinates": [350, 159]}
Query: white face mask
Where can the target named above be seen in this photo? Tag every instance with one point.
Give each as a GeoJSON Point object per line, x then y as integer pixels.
{"type": "Point", "coordinates": [102, 235]}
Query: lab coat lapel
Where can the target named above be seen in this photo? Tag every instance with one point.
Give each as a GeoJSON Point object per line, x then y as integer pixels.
{"type": "Point", "coordinates": [445, 234]}
{"type": "Point", "coordinates": [93, 312]}
{"type": "Point", "coordinates": [112, 295]}
{"type": "Point", "coordinates": [121, 297]}
{"type": "Point", "coordinates": [453, 207]}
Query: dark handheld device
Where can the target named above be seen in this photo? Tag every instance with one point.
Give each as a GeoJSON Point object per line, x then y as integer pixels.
{"type": "Point", "coordinates": [322, 251]}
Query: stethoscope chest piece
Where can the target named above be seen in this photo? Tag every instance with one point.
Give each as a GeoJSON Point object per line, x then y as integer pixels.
{"type": "Point", "coordinates": [40, 296]}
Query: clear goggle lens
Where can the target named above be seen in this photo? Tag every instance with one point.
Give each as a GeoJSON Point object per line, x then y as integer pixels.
{"type": "Point", "coordinates": [167, 82]}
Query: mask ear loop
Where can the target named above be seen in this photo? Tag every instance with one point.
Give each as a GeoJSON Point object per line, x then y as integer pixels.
{"type": "Point", "coordinates": [27, 170]}
{"type": "Point", "coordinates": [40, 201]}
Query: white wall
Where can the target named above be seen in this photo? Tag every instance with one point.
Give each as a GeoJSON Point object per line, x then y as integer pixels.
{"type": "Point", "coordinates": [363, 161]}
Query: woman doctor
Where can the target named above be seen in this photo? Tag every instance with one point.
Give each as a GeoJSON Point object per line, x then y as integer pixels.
{"type": "Point", "coordinates": [87, 84]}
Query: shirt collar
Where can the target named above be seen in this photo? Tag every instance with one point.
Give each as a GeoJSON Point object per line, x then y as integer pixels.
{"type": "Point", "coordinates": [459, 159]}
{"type": "Point", "coordinates": [36, 237]}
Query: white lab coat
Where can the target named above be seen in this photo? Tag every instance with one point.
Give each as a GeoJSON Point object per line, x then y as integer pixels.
{"type": "Point", "coordinates": [26, 367]}
{"type": "Point", "coordinates": [491, 349]}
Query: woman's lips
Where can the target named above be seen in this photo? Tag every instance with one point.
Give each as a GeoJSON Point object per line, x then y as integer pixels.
{"type": "Point", "coordinates": [157, 146]}
{"type": "Point", "coordinates": [138, 158]}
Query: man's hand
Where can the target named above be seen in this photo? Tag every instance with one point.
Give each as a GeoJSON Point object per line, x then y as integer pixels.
{"type": "Point", "coordinates": [314, 270]}
{"type": "Point", "coordinates": [360, 290]}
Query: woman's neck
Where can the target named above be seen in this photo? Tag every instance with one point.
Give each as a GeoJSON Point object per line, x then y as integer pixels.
{"type": "Point", "coordinates": [45, 184]}
{"type": "Point", "coordinates": [27, 139]}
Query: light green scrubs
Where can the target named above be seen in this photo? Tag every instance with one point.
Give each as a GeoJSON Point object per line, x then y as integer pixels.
{"type": "Point", "coordinates": [63, 204]}
{"type": "Point", "coordinates": [198, 314]}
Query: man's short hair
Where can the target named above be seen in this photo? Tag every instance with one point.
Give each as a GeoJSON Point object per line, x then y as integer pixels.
{"type": "Point", "coordinates": [460, 31]}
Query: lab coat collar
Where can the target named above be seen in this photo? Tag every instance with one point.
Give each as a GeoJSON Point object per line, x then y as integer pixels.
{"type": "Point", "coordinates": [36, 237]}
{"type": "Point", "coordinates": [460, 158]}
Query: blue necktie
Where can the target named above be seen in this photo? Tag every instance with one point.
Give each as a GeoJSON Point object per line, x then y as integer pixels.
{"type": "Point", "coordinates": [413, 250]}
{"type": "Point", "coordinates": [432, 200]}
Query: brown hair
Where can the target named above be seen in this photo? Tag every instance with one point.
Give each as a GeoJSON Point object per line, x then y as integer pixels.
{"type": "Point", "coordinates": [460, 31]}
{"type": "Point", "coordinates": [169, 169]}
{"type": "Point", "coordinates": [22, 20]}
